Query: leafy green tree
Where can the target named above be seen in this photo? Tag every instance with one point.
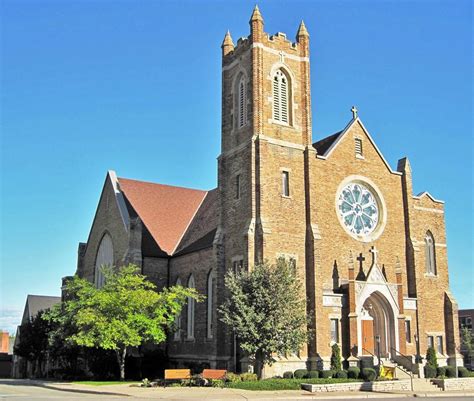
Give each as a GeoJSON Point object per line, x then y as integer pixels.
{"type": "Point", "coordinates": [126, 312]}
{"type": "Point", "coordinates": [266, 309]}
{"type": "Point", "coordinates": [467, 343]}
{"type": "Point", "coordinates": [336, 358]}
{"type": "Point", "coordinates": [33, 345]}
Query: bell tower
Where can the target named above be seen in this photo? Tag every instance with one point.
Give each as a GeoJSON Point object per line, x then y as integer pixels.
{"type": "Point", "coordinates": [266, 150]}
{"type": "Point", "coordinates": [266, 133]}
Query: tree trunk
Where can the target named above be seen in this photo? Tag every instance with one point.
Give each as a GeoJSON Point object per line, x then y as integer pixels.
{"type": "Point", "coordinates": [121, 354]}
{"type": "Point", "coordinates": [258, 366]}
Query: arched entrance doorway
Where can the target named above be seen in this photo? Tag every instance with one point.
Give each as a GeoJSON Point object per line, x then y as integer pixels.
{"type": "Point", "coordinates": [378, 326]}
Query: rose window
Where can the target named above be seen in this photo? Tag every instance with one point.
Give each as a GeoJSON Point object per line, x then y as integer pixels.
{"type": "Point", "coordinates": [358, 209]}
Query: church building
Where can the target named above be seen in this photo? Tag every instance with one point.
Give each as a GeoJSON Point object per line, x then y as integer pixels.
{"type": "Point", "coordinates": [371, 255]}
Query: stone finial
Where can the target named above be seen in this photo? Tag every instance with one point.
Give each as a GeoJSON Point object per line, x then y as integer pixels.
{"type": "Point", "coordinates": [302, 31]}
{"type": "Point", "coordinates": [256, 16]}
{"type": "Point", "coordinates": [227, 44]}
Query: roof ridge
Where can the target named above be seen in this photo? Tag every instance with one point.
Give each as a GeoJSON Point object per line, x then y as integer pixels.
{"type": "Point", "coordinates": [163, 185]}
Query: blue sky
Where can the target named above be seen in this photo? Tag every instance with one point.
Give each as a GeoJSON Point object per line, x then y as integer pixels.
{"type": "Point", "coordinates": [88, 86]}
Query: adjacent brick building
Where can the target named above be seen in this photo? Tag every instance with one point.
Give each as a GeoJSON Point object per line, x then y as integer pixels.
{"type": "Point", "coordinates": [371, 254]}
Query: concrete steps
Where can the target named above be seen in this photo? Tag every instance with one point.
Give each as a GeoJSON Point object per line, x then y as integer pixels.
{"type": "Point", "coordinates": [424, 385]}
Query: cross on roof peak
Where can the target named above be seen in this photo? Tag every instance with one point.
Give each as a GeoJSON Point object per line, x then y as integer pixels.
{"type": "Point", "coordinates": [354, 112]}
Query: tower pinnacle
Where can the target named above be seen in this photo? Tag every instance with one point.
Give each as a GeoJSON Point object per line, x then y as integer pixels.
{"type": "Point", "coordinates": [302, 31]}
{"type": "Point", "coordinates": [227, 44]}
{"type": "Point", "coordinates": [256, 16]}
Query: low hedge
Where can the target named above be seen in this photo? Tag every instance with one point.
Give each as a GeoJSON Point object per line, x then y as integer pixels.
{"type": "Point", "coordinates": [300, 373]}
{"type": "Point", "coordinates": [283, 384]}
{"type": "Point", "coordinates": [450, 371]}
{"type": "Point", "coordinates": [430, 372]}
{"type": "Point", "coordinates": [341, 374]}
{"type": "Point", "coordinates": [353, 372]}
{"type": "Point", "coordinates": [326, 374]}
{"type": "Point", "coordinates": [368, 374]}
{"type": "Point", "coordinates": [288, 375]}
{"type": "Point", "coordinates": [248, 377]}
{"type": "Point", "coordinates": [441, 371]}
{"type": "Point", "coordinates": [464, 372]}
{"type": "Point", "coordinates": [312, 374]}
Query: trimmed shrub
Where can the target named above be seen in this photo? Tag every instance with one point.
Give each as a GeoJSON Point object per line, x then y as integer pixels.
{"type": "Point", "coordinates": [368, 374]}
{"type": "Point", "coordinates": [440, 371]}
{"type": "Point", "coordinates": [288, 375]}
{"type": "Point", "coordinates": [300, 373]}
{"type": "Point", "coordinates": [353, 372]}
{"type": "Point", "coordinates": [341, 374]}
{"type": "Point", "coordinates": [335, 358]}
{"type": "Point", "coordinates": [248, 377]}
{"type": "Point", "coordinates": [450, 371]}
{"type": "Point", "coordinates": [430, 372]}
{"type": "Point", "coordinates": [233, 377]}
{"type": "Point", "coordinates": [366, 363]}
{"type": "Point", "coordinates": [431, 358]}
{"type": "Point", "coordinates": [217, 383]}
{"type": "Point", "coordinates": [326, 374]}
{"type": "Point", "coordinates": [312, 374]}
{"type": "Point", "coordinates": [463, 372]}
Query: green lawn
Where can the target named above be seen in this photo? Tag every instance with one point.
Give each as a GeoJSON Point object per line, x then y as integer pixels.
{"type": "Point", "coordinates": [103, 383]}
{"type": "Point", "coordinates": [283, 384]}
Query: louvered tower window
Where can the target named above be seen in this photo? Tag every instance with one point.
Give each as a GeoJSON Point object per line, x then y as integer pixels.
{"type": "Point", "coordinates": [242, 101]}
{"type": "Point", "coordinates": [281, 97]}
{"type": "Point", "coordinates": [358, 147]}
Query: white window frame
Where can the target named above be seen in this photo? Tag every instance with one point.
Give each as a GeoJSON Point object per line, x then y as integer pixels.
{"type": "Point", "coordinates": [281, 89]}
{"type": "Point", "coordinates": [191, 311]}
{"type": "Point", "coordinates": [334, 333]}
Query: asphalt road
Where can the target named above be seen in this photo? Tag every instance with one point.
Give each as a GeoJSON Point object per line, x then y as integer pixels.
{"type": "Point", "coordinates": [17, 391]}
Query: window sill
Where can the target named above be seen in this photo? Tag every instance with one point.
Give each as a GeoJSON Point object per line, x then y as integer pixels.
{"type": "Point", "coordinates": [282, 124]}
{"type": "Point", "coordinates": [431, 275]}
{"type": "Point", "coordinates": [189, 339]}
{"type": "Point", "coordinates": [287, 197]}
{"type": "Point", "coordinates": [360, 157]}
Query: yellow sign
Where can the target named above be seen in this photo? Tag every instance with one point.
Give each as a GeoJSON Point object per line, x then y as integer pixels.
{"type": "Point", "coordinates": [387, 372]}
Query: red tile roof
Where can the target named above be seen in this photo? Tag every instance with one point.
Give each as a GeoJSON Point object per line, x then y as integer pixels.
{"type": "Point", "coordinates": [166, 211]}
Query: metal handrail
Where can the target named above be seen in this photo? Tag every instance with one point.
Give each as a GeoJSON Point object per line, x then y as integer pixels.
{"type": "Point", "coordinates": [408, 371]}
{"type": "Point", "coordinates": [396, 366]}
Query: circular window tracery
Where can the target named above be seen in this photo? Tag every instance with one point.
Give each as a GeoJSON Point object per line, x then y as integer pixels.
{"type": "Point", "coordinates": [358, 209]}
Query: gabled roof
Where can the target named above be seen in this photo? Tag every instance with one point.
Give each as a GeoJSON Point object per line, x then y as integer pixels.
{"type": "Point", "coordinates": [328, 144]}
{"type": "Point", "coordinates": [37, 303]}
{"type": "Point", "coordinates": [165, 210]}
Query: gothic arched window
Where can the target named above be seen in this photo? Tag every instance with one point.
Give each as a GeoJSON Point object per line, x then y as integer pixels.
{"type": "Point", "coordinates": [281, 97]}
{"type": "Point", "coordinates": [242, 107]}
{"type": "Point", "coordinates": [210, 303]}
{"type": "Point", "coordinates": [177, 319]}
{"type": "Point", "coordinates": [430, 255]}
{"type": "Point", "coordinates": [104, 258]}
{"type": "Point", "coordinates": [191, 307]}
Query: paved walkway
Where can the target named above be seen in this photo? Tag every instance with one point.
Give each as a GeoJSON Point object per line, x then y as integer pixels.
{"type": "Point", "coordinates": [227, 394]}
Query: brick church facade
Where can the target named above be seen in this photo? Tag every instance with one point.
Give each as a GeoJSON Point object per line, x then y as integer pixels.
{"type": "Point", "coordinates": [371, 254]}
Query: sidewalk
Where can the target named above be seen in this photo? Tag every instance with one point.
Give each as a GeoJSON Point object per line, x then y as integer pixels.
{"type": "Point", "coordinates": [218, 394]}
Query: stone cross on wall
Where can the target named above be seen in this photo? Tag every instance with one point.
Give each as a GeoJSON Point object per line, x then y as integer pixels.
{"type": "Point", "coordinates": [282, 56]}
{"type": "Point", "coordinates": [374, 252]}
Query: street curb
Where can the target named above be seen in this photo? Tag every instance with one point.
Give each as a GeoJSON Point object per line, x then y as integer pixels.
{"type": "Point", "coordinates": [76, 390]}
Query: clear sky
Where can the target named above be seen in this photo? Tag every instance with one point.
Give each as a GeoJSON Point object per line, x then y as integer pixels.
{"type": "Point", "coordinates": [135, 86]}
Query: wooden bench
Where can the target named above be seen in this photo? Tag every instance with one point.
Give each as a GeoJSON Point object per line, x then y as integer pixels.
{"type": "Point", "coordinates": [178, 374]}
{"type": "Point", "coordinates": [214, 374]}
